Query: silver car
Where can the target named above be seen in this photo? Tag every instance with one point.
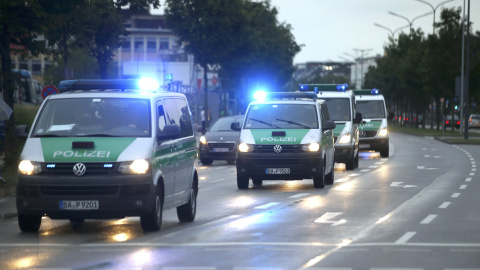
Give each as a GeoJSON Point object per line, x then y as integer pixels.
{"type": "Point", "coordinates": [474, 121]}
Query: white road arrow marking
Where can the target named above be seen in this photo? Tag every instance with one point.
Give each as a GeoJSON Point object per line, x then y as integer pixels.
{"type": "Point", "coordinates": [325, 218]}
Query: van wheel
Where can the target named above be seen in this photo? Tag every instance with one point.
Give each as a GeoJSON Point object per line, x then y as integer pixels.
{"type": "Point", "coordinates": [319, 179]}
{"type": "Point", "coordinates": [257, 182]}
{"type": "Point", "coordinates": [384, 152]}
{"type": "Point", "coordinates": [76, 222]}
{"type": "Point", "coordinates": [186, 212]}
{"type": "Point", "coordinates": [355, 161]}
{"type": "Point", "coordinates": [206, 161]}
{"type": "Point", "coordinates": [153, 220]}
{"type": "Point", "coordinates": [29, 223]}
{"type": "Point", "coordinates": [350, 164]}
{"type": "Point", "coordinates": [242, 181]}
{"type": "Point", "coordinates": [329, 178]}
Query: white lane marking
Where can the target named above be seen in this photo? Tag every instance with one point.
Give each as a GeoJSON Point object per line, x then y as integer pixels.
{"type": "Point", "coordinates": [444, 205]}
{"type": "Point", "coordinates": [268, 205]}
{"type": "Point", "coordinates": [365, 170]}
{"type": "Point", "coordinates": [354, 174]}
{"type": "Point", "coordinates": [463, 187]}
{"type": "Point", "coordinates": [404, 239]}
{"type": "Point", "coordinates": [299, 195]}
{"type": "Point", "coordinates": [341, 180]}
{"type": "Point", "coordinates": [472, 174]}
{"type": "Point", "coordinates": [423, 168]}
{"type": "Point", "coordinates": [455, 195]}
{"type": "Point", "coordinates": [471, 158]}
{"type": "Point", "coordinates": [400, 184]}
{"type": "Point", "coordinates": [189, 268]}
{"type": "Point", "coordinates": [372, 167]}
{"type": "Point", "coordinates": [468, 179]}
{"type": "Point", "coordinates": [474, 166]}
{"type": "Point", "coordinates": [428, 219]}
{"type": "Point", "coordinates": [325, 218]}
{"type": "Point", "coordinates": [474, 170]}
{"type": "Point", "coordinates": [256, 268]}
{"type": "Point", "coordinates": [380, 163]}
{"type": "Point", "coordinates": [218, 180]}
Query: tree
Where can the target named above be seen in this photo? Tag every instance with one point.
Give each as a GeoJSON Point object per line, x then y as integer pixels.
{"type": "Point", "coordinates": [207, 28]}
{"type": "Point", "coordinates": [20, 23]}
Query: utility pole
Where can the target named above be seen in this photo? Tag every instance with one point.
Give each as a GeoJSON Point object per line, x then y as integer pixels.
{"type": "Point", "coordinates": [362, 51]}
{"type": "Point", "coordinates": [434, 9]}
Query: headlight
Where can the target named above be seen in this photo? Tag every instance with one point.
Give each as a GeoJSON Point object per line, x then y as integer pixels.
{"type": "Point", "coordinates": [243, 147]}
{"type": "Point", "coordinates": [383, 132]}
{"type": "Point", "coordinates": [139, 166]}
{"type": "Point", "coordinates": [313, 147]}
{"type": "Point", "coordinates": [29, 168]}
{"type": "Point", "coordinates": [203, 140]}
{"type": "Point", "coordinates": [345, 138]}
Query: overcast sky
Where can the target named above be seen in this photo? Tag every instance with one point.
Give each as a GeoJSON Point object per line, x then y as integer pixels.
{"type": "Point", "coordinates": [330, 28]}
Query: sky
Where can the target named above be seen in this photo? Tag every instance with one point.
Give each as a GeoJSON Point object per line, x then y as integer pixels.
{"type": "Point", "coordinates": [339, 30]}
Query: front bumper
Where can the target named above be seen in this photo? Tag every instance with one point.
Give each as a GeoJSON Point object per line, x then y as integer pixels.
{"type": "Point", "coordinates": [218, 151]}
{"type": "Point", "coordinates": [302, 165]}
{"type": "Point", "coordinates": [373, 144]}
{"type": "Point", "coordinates": [118, 196]}
{"type": "Point", "coordinates": [344, 153]}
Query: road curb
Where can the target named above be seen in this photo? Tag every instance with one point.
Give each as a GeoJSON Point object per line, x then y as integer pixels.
{"type": "Point", "coordinates": [7, 191]}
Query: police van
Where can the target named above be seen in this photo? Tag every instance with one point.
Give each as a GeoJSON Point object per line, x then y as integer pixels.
{"type": "Point", "coordinates": [374, 128]}
{"type": "Point", "coordinates": [285, 136]}
{"type": "Point", "coordinates": [108, 149]}
{"type": "Point", "coordinates": [342, 109]}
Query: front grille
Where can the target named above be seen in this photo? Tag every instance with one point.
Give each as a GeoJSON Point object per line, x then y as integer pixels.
{"type": "Point", "coordinates": [134, 190]}
{"type": "Point", "coordinates": [97, 168]}
{"type": "Point", "coordinates": [368, 133]}
{"type": "Point", "coordinates": [78, 190]}
{"type": "Point", "coordinates": [230, 146]}
{"type": "Point", "coordinates": [25, 190]}
{"type": "Point", "coordinates": [273, 162]}
{"type": "Point", "coordinates": [289, 148]}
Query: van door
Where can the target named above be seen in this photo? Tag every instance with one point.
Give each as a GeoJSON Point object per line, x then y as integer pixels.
{"type": "Point", "coordinates": [164, 156]}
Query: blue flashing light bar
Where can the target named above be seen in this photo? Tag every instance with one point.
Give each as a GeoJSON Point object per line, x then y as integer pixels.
{"type": "Point", "coordinates": [342, 87]}
{"type": "Point", "coordinates": [374, 91]}
{"type": "Point", "coordinates": [260, 95]}
{"type": "Point", "coordinates": [323, 87]}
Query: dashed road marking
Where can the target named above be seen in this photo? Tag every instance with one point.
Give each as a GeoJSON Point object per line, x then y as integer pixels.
{"type": "Point", "coordinates": [268, 205]}
{"type": "Point", "coordinates": [404, 239]}
{"type": "Point", "coordinates": [463, 187]}
{"type": "Point", "coordinates": [299, 195]}
{"type": "Point", "coordinates": [455, 195]}
{"type": "Point", "coordinates": [428, 219]}
{"type": "Point", "coordinates": [444, 205]}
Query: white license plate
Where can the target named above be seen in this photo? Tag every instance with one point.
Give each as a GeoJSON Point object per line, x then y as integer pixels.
{"type": "Point", "coordinates": [78, 205]}
{"type": "Point", "coordinates": [363, 146]}
{"type": "Point", "coordinates": [277, 171]}
{"type": "Point", "coordinates": [220, 149]}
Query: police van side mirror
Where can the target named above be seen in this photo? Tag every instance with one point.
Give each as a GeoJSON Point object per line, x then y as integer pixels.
{"type": "Point", "coordinates": [21, 131]}
{"type": "Point", "coordinates": [169, 132]}
{"type": "Point", "coordinates": [235, 126]}
{"type": "Point", "coordinates": [358, 118]}
{"type": "Point", "coordinates": [329, 125]}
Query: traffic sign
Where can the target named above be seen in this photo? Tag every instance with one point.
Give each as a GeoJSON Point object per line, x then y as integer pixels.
{"type": "Point", "coordinates": [49, 90]}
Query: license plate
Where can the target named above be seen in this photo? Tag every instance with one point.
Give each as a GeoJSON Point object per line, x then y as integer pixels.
{"type": "Point", "coordinates": [78, 205]}
{"type": "Point", "coordinates": [220, 149]}
{"type": "Point", "coordinates": [364, 146]}
{"type": "Point", "coordinates": [277, 171]}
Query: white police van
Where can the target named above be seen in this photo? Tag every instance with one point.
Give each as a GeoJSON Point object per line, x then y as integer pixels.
{"type": "Point", "coordinates": [342, 109]}
{"type": "Point", "coordinates": [374, 128]}
{"type": "Point", "coordinates": [107, 149]}
{"type": "Point", "coordinates": [285, 136]}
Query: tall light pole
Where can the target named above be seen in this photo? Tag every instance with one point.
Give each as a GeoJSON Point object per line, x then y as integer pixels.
{"type": "Point", "coordinates": [434, 9]}
{"type": "Point", "coordinates": [355, 73]}
{"type": "Point", "coordinates": [410, 22]}
{"type": "Point", "coordinates": [392, 33]}
{"type": "Point", "coordinates": [362, 51]}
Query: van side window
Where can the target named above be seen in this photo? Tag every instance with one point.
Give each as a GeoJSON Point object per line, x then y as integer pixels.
{"type": "Point", "coordinates": [186, 128]}
{"type": "Point", "coordinates": [162, 121]}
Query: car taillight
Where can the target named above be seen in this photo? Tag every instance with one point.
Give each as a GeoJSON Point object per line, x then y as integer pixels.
{"type": "Point", "coordinates": [447, 122]}
{"type": "Point", "coordinates": [458, 122]}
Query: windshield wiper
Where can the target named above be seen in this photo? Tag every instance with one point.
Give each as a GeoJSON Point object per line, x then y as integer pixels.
{"type": "Point", "coordinates": [295, 123]}
{"type": "Point", "coordinates": [96, 135]}
{"type": "Point", "coordinates": [265, 123]}
{"type": "Point", "coordinates": [47, 135]}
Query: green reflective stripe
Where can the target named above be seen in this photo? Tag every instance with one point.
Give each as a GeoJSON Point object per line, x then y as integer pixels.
{"type": "Point", "coordinates": [338, 129]}
{"type": "Point", "coordinates": [374, 125]}
{"type": "Point", "coordinates": [104, 150]}
{"type": "Point", "coordinates": [292, 136]}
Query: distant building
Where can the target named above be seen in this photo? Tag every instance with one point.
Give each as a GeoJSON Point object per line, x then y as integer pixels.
{"type": "Point", "coordinates": [305, 72]}
{"type": "Point", "coordinates": [359, 68]}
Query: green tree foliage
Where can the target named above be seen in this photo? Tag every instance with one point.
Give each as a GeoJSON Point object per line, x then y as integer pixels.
{"type": "Point", "coordinates": [417, 70]}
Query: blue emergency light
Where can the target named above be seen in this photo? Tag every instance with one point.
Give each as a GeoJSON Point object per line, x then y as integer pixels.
{"type": "Point", "coordinates": [260, 95]}
{"type": "Point", "coordinates": [374, 91]}
{"type": "Point", "coordinates": [148, 84]}
{"type": "Point", "coordinates": [323, 87]}
{"type": "Point", "coordinates": [342, 87]}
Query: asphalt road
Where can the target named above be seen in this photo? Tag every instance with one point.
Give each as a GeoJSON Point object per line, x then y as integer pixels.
{"type": "Point", "coordinates": [416, 209]}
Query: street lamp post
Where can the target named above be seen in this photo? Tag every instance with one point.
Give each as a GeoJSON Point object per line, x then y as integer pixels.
{"type": "Point", "coordinates": [434, 9]}
{"type": "Point", "coordinates": [388, 29]}
{"type": "Point", "coordinates": [362, 51]}
{"type": "Point", "coordinates": [410, 22]}
{"type": "Point", "coordinates": [355, 73]}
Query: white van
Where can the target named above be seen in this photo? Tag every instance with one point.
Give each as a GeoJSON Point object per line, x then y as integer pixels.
{"type": "Point", "coordinates": [106, 149]}
{"type": "Point", "coordinates": [343, 111]}
{"type": "Point", "coordinates": [374, 128]}
{"type": "Point", "coordinates": [285, 136]}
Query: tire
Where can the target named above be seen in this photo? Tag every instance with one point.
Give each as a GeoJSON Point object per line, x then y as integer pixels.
{"type": "Point", "coordinates": [206, 161]}
{"type": "Point", "coordinates": [77, 222]}
{"type": "Point", "coordinates": [186, 212]}
{"type": "Point", "coordinates": [384, 152]}
{"type": "Point", "coordinates": [257, 182]}
{"type": "Point", "coordinates": [29, 223]}
{"type": "Point", "coordinates": [153, 220]}
{"type": "Point", "coordinates": [330, 177]}
{"type": "Point", "coordinates": [319, 180]}
{"type": "Point", "coordinates": [355, 161]}
{"type": "Point", "coordinates": [231, 161]}
{"type": "Point", "coordinates": [242, 181]}
{"type": "Point", "coordinates": [350, 164]}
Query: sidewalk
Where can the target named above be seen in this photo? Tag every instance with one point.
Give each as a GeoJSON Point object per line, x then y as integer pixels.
{"type": "Point", "coordinates": [8, 208]}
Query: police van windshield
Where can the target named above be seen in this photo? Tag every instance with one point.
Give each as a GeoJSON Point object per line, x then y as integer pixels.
{"type": "Point", "coordinates": [338, 108]}
{"type": "Point", "coordinates": [94, 117]}
{"type": "Point", "coordinates": [371, 108]}
{"type": "Point", "coordinates": [281, 116]}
